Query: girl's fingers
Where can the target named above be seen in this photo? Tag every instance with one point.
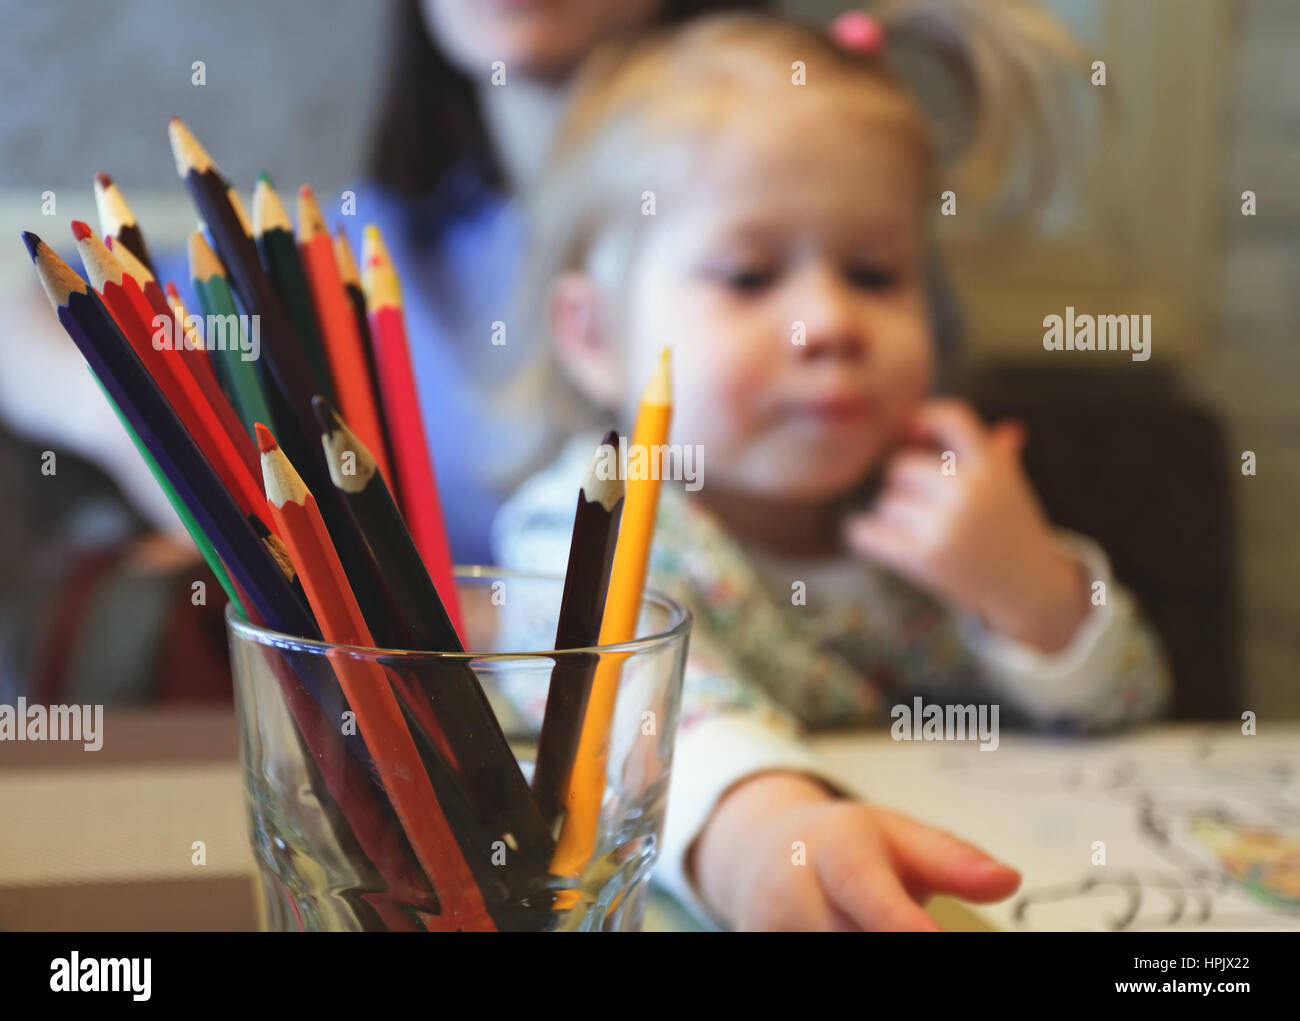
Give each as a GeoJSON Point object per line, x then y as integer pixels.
{"type": "Point", "coordinates": [859, 881]}
{"type": "Point", "coordinates": [921, 473]}
{"type": "Point", "coordinates": [939, 861]}
{"type": "Point", "coordinates": [950, 424]}
{"type": "Point", "coordinates": [1009, 436]}
{"type": "Point", "coordinates": [875, 538]}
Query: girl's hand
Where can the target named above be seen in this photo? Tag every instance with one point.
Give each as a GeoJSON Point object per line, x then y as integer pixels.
{"type": "Point", "coordinates": [976, 536]}
{"type": "Point", "coordinates": [863, 868]}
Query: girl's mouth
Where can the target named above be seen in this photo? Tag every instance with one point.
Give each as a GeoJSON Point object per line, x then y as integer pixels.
{"type": "Point", "coordinates": [833, 410]}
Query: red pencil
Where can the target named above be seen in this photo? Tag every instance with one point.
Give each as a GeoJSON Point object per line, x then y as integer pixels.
{"type": "Point", "coordinates": [135, 317]}
{"type": "Point", "coordinates": [368, 691]}
{"type": "Point", "coordinates": [195, 361]}
{"type": "Point", "coordinates": [414, 463]}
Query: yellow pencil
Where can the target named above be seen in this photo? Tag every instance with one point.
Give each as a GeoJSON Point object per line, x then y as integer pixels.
{"type": "Point", "coordinates": [586, 787]}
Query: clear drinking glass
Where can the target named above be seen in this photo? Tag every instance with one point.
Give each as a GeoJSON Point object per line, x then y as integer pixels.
{"type": "Point", "coordinates": [331, 851]}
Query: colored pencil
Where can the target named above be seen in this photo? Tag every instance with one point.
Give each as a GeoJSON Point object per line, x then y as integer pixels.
{"type": "Point", "coordinates": [87, 321]}
{"type": "Point", "coordinates": [347, 268]}
{"type": "Point", "coordinates": [286, 373]}
{"type": "Point", "coordinates": [586, 787]}
{"type": "Point", "coordinates": [347, 356]}
{"type": "Point", "coordinates": [379, 716]}
{"type": "Point", "coordinates": [273, 234]}
{"type": "Point", "coordinates": [243, 386]}
{"type": "Point", "coordinates": [267, 597]}
{"type": "Point", "coordinates": [478, 747]}
{"type": "Point", "coordinates": [586, 583]}
{"type": "Point", "coordinates": [191, 354]}
{"type": "Point", "coordinates": [117, 221]}
{"type": "Point", "coordinates": [135, 317]}
{"type": "Point", "coordinates": [413, 461]}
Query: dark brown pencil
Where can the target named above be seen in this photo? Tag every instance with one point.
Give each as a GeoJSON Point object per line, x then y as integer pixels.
{"type": "Point", "coordinates": [586, 584]}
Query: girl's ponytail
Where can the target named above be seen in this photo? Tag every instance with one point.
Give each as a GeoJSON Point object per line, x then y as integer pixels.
{"type": "Point", "coordinates": [1001, 82]}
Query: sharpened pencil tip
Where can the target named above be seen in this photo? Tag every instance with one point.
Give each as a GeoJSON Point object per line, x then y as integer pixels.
{"type": "Point", "coordinates": [306, 192]}
{"type": "Point", "coordinates": [103, 180]}
{"type": "Point", "coordinates": [80, 230]}
{"type": "Point", "coordinates": [326, 416]}
{"type": "Point", "coordinates": [265, 178]}
{"type": "Point", "coordinates": [265, 441]}
{"type": "Point", "coordinates": [31, 241]}
{"type": "Point", "coordinates": [171, 290]}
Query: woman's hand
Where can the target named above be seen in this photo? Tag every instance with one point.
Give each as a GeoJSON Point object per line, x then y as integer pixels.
{"type": "Point", "coordinates": [963, 522]}
{"type": "Point", "coordinates": [780, 853]}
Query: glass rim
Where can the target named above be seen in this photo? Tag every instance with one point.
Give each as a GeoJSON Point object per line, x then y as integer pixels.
{"type": "Point", "coordinates": [680, 619]}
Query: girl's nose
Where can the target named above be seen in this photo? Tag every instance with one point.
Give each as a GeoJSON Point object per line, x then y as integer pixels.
{"type": "Point", "coordinates": [831, 313]}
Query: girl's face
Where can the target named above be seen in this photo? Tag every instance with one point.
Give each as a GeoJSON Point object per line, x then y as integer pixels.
{"type": "Point", "coordinates": [537, 38]}
{"type": "Point", "coordinates": [788, 283]}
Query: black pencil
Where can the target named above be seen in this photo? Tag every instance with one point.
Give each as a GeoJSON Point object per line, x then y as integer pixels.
{"type": "Point", "coordinates": [116, 220]}
{"type": "Point", "coordinates": [586, 584]}
{"type": "Point", "coordinates": [485, 763]}
{"type": "Point", "coordinates": [273, 235]}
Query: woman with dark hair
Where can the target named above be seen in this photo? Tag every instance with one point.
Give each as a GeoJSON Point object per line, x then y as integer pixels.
{"type": "Point", "coordinates": [474, 89]}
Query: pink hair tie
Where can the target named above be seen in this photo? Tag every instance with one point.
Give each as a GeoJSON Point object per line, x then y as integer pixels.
{"type": "Point", "coordinates": [858, 31]}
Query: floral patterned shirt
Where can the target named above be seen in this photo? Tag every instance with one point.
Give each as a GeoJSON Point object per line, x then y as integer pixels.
{"type": "Point", "coordinates": [781, 647]}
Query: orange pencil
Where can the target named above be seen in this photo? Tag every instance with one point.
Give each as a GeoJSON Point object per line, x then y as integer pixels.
{"type": "Point", "coordinates": [586, 786]}
{"type": "Point", "coordinates": [366, 686]}
{"type": "Point", "coordinates": [414, 464]}
{"type": "Point", "coordinates": [347, 267]}
{"type": "Point", "coordinates": [343, 345]}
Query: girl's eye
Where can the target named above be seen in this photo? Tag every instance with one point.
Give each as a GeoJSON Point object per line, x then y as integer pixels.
{"type": "Point", "coordinates": [746, 279]}
{"type": "Point", "coordinates": [872, 278]}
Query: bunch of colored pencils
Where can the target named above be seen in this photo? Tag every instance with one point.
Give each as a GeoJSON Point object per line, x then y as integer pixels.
{"type": "Point", "coordinates": [305, 479]}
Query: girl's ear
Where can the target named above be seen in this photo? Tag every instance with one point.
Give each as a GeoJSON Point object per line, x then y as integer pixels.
{"type": "Point", "coordinates": [583, 340]}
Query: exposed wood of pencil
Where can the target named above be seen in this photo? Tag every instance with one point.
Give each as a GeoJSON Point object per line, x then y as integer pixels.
{"type": "Point", "coordinates": [273, 234]}
{"type": "Point", "coordinates": [586, 583]}
{"type": "Point", "coordinates": [586, 787]}
{"type": "Point", "coordinates": [474, 739]}
{"type": "Point", "coordinates": [379, 717]}
{"type": "Point", "coordinates": [134, 316]}
{"type": "Point", "coordinates": [117, 221]}
{"type": "Point", "coordinates": [349, 366]}
{"type": "Point", "coordinates": [421, 506]}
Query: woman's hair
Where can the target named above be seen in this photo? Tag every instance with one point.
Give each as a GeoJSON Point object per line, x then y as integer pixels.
{"type": "Point", "coordinates": [643, 112]}
{"type": "Point", "coordinates": [429, 116]}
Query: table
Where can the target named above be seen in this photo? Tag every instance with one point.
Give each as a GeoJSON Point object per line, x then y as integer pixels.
{"type": "Point", "coordinates": [1201, 826]}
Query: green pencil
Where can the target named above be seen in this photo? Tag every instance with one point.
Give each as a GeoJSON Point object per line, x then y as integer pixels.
{"type": "Point", "coordinates": [237, 375]}
{"type": "Point", "coordinates": [279, 251]}
{"type": "Point", "coordinates": [178, 505]}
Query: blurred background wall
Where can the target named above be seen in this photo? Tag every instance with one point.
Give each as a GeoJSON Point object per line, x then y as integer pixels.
{"type": "Point", "coordinates": [1209, 92]}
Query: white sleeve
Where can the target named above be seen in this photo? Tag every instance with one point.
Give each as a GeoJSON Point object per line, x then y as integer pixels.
{"type": "Point", "coordinates": [1111, 672]}
{"type": "Point", "coordinates": [710, 758]}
